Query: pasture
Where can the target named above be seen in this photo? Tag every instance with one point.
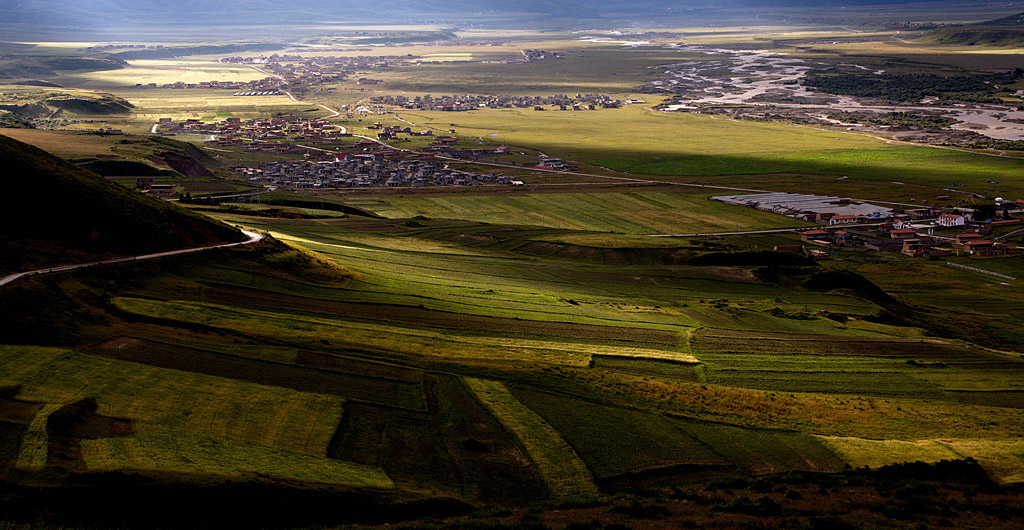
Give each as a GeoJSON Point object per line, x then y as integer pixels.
{"type": "Point", "coordinates": [571, 354]}
{"type": "Point", "coordinates": [753, 154]}
{"type": "Point", "coordinates": [503, 346]}
{"type": "Point", "coordinates": [634, 212]}
{"type": "Point", "coordinates": [152, 448]}
{"type": "Point", "coordinates": [257, 415]}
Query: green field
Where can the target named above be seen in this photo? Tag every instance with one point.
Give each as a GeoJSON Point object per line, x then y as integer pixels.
{"type": "Point", "coordinates": [639, 212]}
{"type": "Point", "coordinates": [154, 448]}
{"type": "Point", "coordinates": [465, 296]}
{"type": "Point", "coordinates": [259, 415]}
{"type": "Point", "coordinates": [683, 147]}
{"type": "Point", "coordinates": [528, 355]}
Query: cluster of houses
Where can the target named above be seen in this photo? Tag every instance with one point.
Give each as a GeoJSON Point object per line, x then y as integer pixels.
{"type": "Point", "coordinates": [147, 186]}
{"type": "Point", "coordinates": [540, 55]}
{"type": "Point", "coordinates": [382, 168]}
{"type": "Point", "coordinates": [527, 57]}
{"type": "Point", "coordinates": [262, 85]}
{"type": "Point", "coordinates": [919, 232]}
{"type": "Point", "coordinates": [295, 72]}
{"type": "Point", "coordinates": [464, 102]}
{"type": "Point", "coordinates": [298, 72]}
{"type": "Point", "coordinates": [118, 47]}
{"type": "Point", "coordinates": [261, 134]}
{"type": "Point", "coordinates": [822, 209]}
{"type": "Point", "coordinates": [915, 240]}
{"type": "Point", "coordinates": [922, 233]}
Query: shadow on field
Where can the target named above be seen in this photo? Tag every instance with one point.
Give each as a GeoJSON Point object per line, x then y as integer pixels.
{"type": "Point", "coordinates": [132, 501]}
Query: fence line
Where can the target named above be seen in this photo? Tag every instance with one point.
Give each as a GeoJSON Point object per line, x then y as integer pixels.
{"type": "Point", "coordinates": [975, 269]}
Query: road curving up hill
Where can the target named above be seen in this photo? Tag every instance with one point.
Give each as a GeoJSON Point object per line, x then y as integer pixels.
{"type": "Point", "coordinates": [55, 213]}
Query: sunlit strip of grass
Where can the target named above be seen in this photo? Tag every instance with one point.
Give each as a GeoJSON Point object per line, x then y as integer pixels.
{"type": "Point", "coordinates": [35, 443]}
{"type": "Point", "coordinates": [560, 467]}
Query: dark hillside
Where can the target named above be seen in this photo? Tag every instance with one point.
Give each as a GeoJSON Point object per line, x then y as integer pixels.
{"type": "Point", "coordinates": [53, 212]}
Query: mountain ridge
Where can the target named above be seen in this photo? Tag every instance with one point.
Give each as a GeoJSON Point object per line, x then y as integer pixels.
{"type": "Point", "coordinates": [112, 13]}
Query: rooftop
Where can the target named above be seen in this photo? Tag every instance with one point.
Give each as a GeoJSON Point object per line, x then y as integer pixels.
{"type": "Point", "coordinates": [806, 203]}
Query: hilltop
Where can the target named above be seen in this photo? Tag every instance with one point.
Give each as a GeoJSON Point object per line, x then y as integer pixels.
{"type": "Point", "coordinates": [127, 155]}
{"type": "Point", "coordinates": [54, 212]}
{"type": "Point", "coordinates": [1012, 20]}
{"type": "Point", "coordinates": [1006, 31]}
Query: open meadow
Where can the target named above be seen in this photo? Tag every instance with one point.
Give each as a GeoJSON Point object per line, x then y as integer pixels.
{"type": "Point", "coordinates": [639, 141]}
{"type": "Point", "coordinates": [517, 355]}
{"type": "Point", "coordinates": [634, 336]}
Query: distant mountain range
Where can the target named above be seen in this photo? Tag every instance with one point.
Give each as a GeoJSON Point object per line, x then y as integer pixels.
{"type": "Point", "coordinates": [84, 14]}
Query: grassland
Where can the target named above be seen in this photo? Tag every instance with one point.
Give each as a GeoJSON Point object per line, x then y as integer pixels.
{"type": "Point", "coordinates": [257, 415]}
{"type": "Point", "coordinates": [1002, 457]}
{"type": "Point", "coordinates": [340, 379]}
{"type": "Point", "coordinates": [152, 448]}
{"type": "Point", "coordinates": [587, 68]}
{"type": "Point", "coordinates": [504, 348]}
{"type": "Point", "coordinates": [638, 212]}
{"type": "Point", "coordinates": [677, 145]}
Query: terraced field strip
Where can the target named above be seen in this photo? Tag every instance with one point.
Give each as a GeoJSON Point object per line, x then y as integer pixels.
{"type": "Point", "coordinates": [155, 448]}
{"type": "Point", "coordinates": [645, 354]}
{"type": "Point", "coordinates": [270, 416]}
{"type": "Point", "coordinates": [615, 441]}
{"type": "Point", "coordinates": [489, 287]}
{"type": "Point", "coordinates": [1002, 459]}
{"type": "Point", "coordinates": [560, 467]}
{"type": "Point", "coordinates": [641, 212]}
{"type": "Point", "coordinates": [35, 443]}
{"type": "Point", "coordinates": [537, 285]}
{"type": "Point", "coordinates": [735, 341]}
{"type": "Point", "coordinates": [391, 338]}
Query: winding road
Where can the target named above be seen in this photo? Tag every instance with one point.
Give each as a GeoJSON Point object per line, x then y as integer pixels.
{"type": "Point", "coordinates": [253, 237]}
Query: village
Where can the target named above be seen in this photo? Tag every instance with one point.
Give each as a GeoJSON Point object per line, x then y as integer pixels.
{"type": "Point", "coordinates": [293, 72]}
{"type": "Point", "coordinates": [924, 232]}
{"type": "Point", "coordinates": [261, 134]}
{"type": "Point", "coordinates": [378, 169]}
{"type": "Point", "coordinates": [333, 158]}
{"type": "Point", "coordinates": [465, 102]}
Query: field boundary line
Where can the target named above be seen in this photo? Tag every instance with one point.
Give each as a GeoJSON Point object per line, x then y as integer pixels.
{"type": "Point", "coordinates": [982, 271]}
{"type": "Point", "coordinates": [557, 463]}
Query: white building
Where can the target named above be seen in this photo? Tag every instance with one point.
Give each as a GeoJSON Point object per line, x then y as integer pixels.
{"type": "Point", "coordinates": [951, 219]}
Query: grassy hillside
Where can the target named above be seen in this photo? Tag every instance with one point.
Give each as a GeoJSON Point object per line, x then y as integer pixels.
{"type": "Point", "coordinates": [978, 36]}
{"type": "Point", "coordinates": [125, 155]}
{"type": "Point", "coordinates": [54, 213]}
{"type": "Point", "coordinates": [495, 365]}
{"type": "Point", "coordinates": [1006, 31]}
